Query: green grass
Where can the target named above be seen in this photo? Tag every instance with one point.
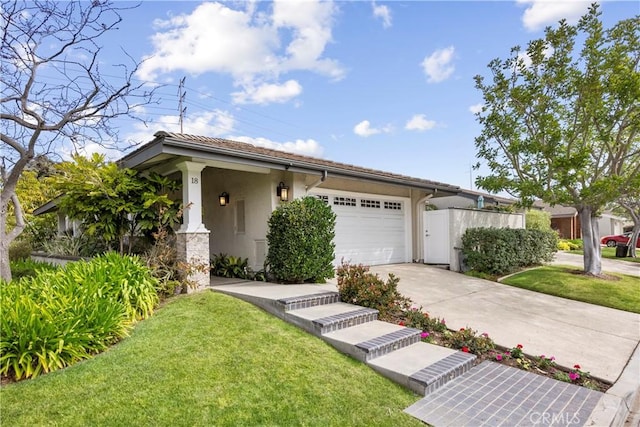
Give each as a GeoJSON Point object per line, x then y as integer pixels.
{"type": "Point", "coordinates": [609, 253]}
{"type": "Point", "coordinates": [209, 359]}
{"type": "Point", "coordinates": [623, 294]}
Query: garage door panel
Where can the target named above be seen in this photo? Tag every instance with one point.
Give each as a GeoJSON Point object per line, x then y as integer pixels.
{"type": "Point", "coordinates": [369, 229]}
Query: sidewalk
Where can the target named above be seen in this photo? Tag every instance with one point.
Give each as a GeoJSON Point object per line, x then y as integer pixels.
{"type": "Point", "coordinates": [608, 265]}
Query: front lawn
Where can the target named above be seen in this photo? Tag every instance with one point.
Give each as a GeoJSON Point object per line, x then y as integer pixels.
{"type": "Point", "coordinates": [567, 282]}
{"type": "Point", "coordinates": [209, 359]}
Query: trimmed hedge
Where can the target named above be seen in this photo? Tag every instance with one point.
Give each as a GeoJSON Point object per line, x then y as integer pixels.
{"type": "Point", "coordinates": [500, 251]}
{"type": "Point", "coordinates": [62, 316]}
{"type": "Point", "coordinates": [300, 239]}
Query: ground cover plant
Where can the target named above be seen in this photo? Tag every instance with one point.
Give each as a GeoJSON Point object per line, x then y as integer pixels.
{"type": "Point", "coordinates": [59, 317]}
{"type": "Point", "coordinates": [617, 291]}
{"type": "Point", "coordinates": [209, 359]}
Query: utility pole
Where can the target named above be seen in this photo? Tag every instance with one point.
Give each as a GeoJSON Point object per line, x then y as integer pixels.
{"type": "Point", "coordinates": [181, 96]}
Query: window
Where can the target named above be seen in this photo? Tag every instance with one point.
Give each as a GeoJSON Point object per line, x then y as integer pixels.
{"type": "Point", "coordinates": [324, 199]}
{"type": "Point", "coordinates": [394, 206]}
{"type": "Point", "coordinates": [364, 203]}
{"type": "Point", "coordinates": [240, 223]}
{"type": "Point", "coordinates": [344, 201]}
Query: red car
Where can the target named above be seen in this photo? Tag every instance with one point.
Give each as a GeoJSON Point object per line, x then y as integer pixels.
{"type": "Point", "coordinates": [612, 241]}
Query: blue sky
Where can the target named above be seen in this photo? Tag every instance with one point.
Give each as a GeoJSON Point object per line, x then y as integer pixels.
{"type": "Point", "coordinates": [386, 85]}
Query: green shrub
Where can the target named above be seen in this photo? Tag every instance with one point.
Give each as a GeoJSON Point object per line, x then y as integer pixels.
{"type": "Point", "coordinates": [538, 220]}
{"type": "Point", "coordinates": [51, 321]}
{"type": "Point", "coordinates": [500, 251]}
{"type": "Point", "coordinates": [59, 317]}
{"type": "Point", "coordinates": [563, 246]}
{"type": "Point", "coordinates": [569, 245]}
{"type": "Point", "coordinates": [29, 268]}
{"type": "Point", "coordinates": [19, 250]}
{"type": "Point", "coordinates": [124, 278]}
{"type": "Point", "coordinates": [468, 340]}
{"type": "Point", "coordinates": [356, 285]}
{"type": "Point", "coordinates": [223, 265]}
{"type": "Point", "coordinates": [300, 239]}
{"type": "Point", "coordinates": [416, 318]}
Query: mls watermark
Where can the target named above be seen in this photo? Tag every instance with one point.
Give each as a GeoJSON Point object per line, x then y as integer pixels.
{"type": "Point", "coordinates": [554, 418]}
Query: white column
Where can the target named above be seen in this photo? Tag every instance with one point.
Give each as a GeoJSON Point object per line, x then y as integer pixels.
{"type": "Point", "coordinates": [191, 197]}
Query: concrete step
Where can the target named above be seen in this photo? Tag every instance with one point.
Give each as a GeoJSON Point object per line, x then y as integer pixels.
{"type": "Point", "coordinates": [323, 319]}
{"type": "Point", "coordinates": [423, 367]}
{"type": "Point", "coordinates": [373, 339]}
{"type": "Point", "coordinates": [306, 301]}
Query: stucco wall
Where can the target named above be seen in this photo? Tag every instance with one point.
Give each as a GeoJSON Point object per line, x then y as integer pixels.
{"type": "Point", "coordinates": [257, 191]}
{"type": "Point", "coordinates": [461, 219]}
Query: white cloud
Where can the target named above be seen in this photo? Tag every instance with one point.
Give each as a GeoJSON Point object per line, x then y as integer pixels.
{"type": "Point", "coordinates": [305, 147]}
{"type": "Point", "coordinates": [268, 93]}
{"type": "Point", "coordinates": [476, 108]}
{"type": "Point", "coordinates": [254, 47]}
{"type": "Point", "coordinates": [438, 66]}
{"type": "Point", "coordinates": [364, 129]}
{"type": "Point", "coordinates": [420, 123]}
{"type": "Point", "coordinates": [382, 12]}
{"type": "Point", "coordinates": [541, 13]}
{"type": "Point", "coordinates": [210, 123]}
{"type": "Point", "coordinates": [526, 59]}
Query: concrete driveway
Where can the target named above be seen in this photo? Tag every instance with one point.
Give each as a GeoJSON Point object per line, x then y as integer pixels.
{"type": "Point", "coordinates": [608, 265]}
{"type": "Point", "coordinates": [600, 339]}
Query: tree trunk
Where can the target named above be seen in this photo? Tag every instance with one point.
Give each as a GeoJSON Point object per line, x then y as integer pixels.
{"type": "Point", "coordinates": [635, 235]}
{"type": "Point", "coordinates": [5, 267]}
{"type": "Point", "coordinates": [591, 241]}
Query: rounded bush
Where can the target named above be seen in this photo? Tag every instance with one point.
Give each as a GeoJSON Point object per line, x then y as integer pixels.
{"type": "Point", "coordinates": [300, 239]}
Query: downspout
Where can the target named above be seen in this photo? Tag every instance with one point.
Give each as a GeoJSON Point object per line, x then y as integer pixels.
{"type": "Point", "coordinates": [318, 182]}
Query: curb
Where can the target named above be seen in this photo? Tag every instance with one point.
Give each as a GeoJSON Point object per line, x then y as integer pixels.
{"type": "Point", "coordinates": [615, 406]}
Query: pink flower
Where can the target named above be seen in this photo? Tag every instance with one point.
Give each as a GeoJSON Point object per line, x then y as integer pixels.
{"type": "Point", "coordinates": [576, 366]}
{"type": "Point", "coordinates": [542, 356]}
{"type": "Point", "coordinates": [573, 376]}
{"type": "Point", "coordinates": [465, 349]}
{"type": "Point", "coordinates": [499, 357]}
{"type": "Point", "coordinates": [552, 358]}
{"type": "Point", "coordinates": [424, 335]}
{"type": "Point", "coordinates": [519, 346]}
{"type": "Point", "coordinates": [486, 335]}
{"type": "Point", "coordinates": [401, 323]}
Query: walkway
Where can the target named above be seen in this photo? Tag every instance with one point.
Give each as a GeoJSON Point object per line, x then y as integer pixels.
{"type": "Point", "coordinates": [608, 265]}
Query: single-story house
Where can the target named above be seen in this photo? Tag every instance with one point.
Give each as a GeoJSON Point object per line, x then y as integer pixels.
{"type": "Point", "coordinates": [231, 188]}
{"type": "Point", "coordinates": [566, 221]}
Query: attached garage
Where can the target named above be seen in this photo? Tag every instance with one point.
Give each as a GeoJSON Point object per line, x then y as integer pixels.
{"type": "Point", "coordinates": [370, 229]}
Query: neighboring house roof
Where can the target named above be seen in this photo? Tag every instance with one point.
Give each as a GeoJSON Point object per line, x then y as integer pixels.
{"type": "Point", "coordinates": [488, 198]}
{"type": "Point", "coordinates": [559, 211]}
{"type": "Point", "coordinates": [50, 206]}
{"type": "Point", "coordinates": [175, 144]}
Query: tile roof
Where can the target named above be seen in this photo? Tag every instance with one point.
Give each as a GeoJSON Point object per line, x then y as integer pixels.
{"type": "Point", "coordinates": [243, 148]}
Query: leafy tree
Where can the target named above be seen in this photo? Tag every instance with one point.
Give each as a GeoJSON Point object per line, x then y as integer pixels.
{"type": "Point", "coordinates": [54, 92]}
{"type": "Point", "coordinates": [631, 204]}
{"type": "Point", "coordinates": [111, 201]}
{"type": "Point", "coordinates": [564, 126]}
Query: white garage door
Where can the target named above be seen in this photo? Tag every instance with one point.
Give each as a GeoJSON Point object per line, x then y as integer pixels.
{"type": "Point", "coordinates": [370, 229]}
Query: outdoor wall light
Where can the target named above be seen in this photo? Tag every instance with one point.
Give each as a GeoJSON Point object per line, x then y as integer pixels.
{"type": "Point", "coordinates": [224, 199]}
{"type": "Point", "coordinates": [282, 191]}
